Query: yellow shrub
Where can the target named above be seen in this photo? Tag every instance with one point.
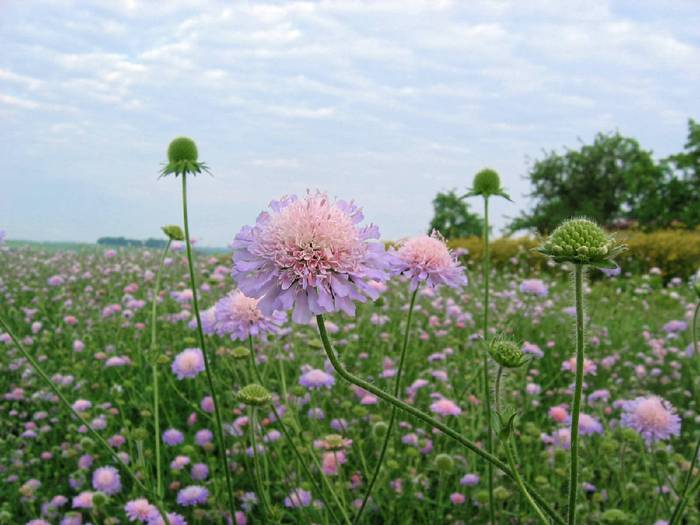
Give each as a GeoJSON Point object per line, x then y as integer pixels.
{"type": "Point", "coordinates": [675, 252]}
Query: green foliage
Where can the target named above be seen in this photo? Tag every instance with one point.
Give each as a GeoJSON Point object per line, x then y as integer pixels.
{"type": "Point", "coordinates": [452, 217]}
{"type": "Point", "coordinates": [615, 180]}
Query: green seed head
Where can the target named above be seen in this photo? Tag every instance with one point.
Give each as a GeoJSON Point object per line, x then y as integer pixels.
{"type": "Point", "coordinates": [380, 429]}
{"type": "Point", "coordinates": [615, 517]}
{"type": "Point", "coordinates": [582, 241]}
{"type": "Point", "coordinates": [487, 183]}
{"type": "Point", "coordinates": [173, 232]}
{"type": "Point", "coordinates": [140, 434]}
{"type": "Point", "coordinates": [506, 353]}
{"type": "Point", "coordinates": [182, 148]}
{"type": "Point", "coordinates": [254, 395]}
{"type": "Point", "coordinates": [335, 441]}
{"type": "Point", "coordinates": [99, 499]}
{"type": "Point", "coordinates": [240, 352]}
{"type": "Point", "coordinates": [444, 462]}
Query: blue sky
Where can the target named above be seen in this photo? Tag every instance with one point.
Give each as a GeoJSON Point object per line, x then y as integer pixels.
{"type": "Point", "coordinates": [384, 101]}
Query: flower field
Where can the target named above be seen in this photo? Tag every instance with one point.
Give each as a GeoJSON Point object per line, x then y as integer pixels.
{"type": "Point", "coordinates": [302, 443]}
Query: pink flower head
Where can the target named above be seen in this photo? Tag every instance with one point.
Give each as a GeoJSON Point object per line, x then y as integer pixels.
{"type": "Point", "coordinates": [558, 414]}
{"type": "Point", "coordinates": [140, 510]}
{"type": "Point", "coordinates": [106, 479]}
{"type": "Point", "coordinates": [534, 287]}
{"type": "Point", "coordinates": [309, 254]}
{"type": "Point", "coordinates": [238, 316]}
{"type": "Point", "coordinates": [653, 417]}
{"type": "Point", "coordinates": [445, 407]}
{"type": "Point", "coordinates": [188, 363]}
{"type": "Point", "coordinates": [316, 378]}
{"type": "Point", "coordinates": [425, 258]}
{"type": "Point", "coordinates": [589, 367]}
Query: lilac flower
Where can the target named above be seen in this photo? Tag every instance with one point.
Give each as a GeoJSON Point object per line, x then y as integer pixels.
{"type": "Point", "coordinates": [316, 378]}
{"type": "Point", "coordinates": [140, 510]}
{"type": "Point", "coordinates": [298, 498]}
{"type": "Point", "coordinates": [425, 258]}
{"type": "Point", "coordinates": [107, 480]}
{"type": "Point", "coordinates": [589, 425]}
{"type": "Point", "coordinates": [653, 417]}
{"type": "Point", "coordinates": [534, 287]}
{"type": "Point", "coordinates": [188, 363]}
{"type": "Point", "coordinates": [172, 437]}
{"type": "Point", "coordinates": [675, 326]}
{"type": "Point", "coordinates": [199, 471]}
{"type": "Point", "coordinates": [445, 407]}
{"type": "Point", "coordinates": [192, 495]}
{"type": "Point", "coordinates": [203, 437]}
{"type": "Point", "coordinates": [173, 519]}
{"type": "Point", "coordinates": [238, 316]}
{"type": "Point", "coordinates": [469, 480]}
{"type": "Point", "coordinates": [310, 255]}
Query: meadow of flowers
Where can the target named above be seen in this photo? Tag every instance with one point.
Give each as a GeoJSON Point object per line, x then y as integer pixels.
{"type": "Point", "coordinates": [315, 375]}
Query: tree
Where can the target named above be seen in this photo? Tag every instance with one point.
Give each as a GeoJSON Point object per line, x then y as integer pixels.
{"type": "Point", "coordinates": [611, 179]}
{"type": "Point", "coordinates": [452, 217]}
{"type": "Point", "coordinates": [685, 191]}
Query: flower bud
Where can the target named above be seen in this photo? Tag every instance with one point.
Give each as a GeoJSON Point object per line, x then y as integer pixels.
{"type": "Point", "coordinates": [582, 241]}
{"type": "Point", "coordinates": [99, 499]}
{"type": "Point", "coordinates": [182, 148]}
{"type": "Point", "coordinates": [240, 352]}
{"type": "Point", "coordinates": [506, 353]}
{"type": "Point", "coordinates": [173, 232]}
{"type": "Point", "coordinates": [254, 395]}
{"type": "Point", "coordinates": [486, 183]}
{"type": "Point", "coordinates": [444, 462]}
{"type": "Point", "coordinates": [379, 429]}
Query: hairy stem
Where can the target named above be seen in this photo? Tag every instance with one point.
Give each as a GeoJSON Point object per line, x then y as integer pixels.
{"type": "Point", "coordinates": [200, 335]}
{"type": "Point", "coordinates": [518, 480]}
{"type": "Point", "coordinates": [392, 418]}
{"type": "Point", "coordinates": [576, 409]}
{"type": "Point", "coordinates": [426, 418]}
{"type": "Point", "coordinates": [487, 387]}
{"type": "Point", "coordinates": [154, 372]}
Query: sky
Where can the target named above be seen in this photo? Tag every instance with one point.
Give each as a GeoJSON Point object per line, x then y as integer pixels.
{"type": "Point", "coordinates": [386, 102]}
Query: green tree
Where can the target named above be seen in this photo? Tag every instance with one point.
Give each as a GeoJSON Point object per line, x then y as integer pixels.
{"type": "Point", "coordinates": [611, 179]}
{"type": "Point", "coordinates": [683, 194]}
{"type": "Point", "coordinates": [452, 217]}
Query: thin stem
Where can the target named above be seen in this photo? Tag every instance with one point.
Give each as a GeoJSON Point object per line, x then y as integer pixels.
{"type": "Point", "coordinates": [256, 464]}
{"type": "Point", "coordinates": [680, 506]}
{"type": "Point", "coordinates": [154, 371]}
{"type": "Point", "coordinates": [200, 335]}
{"type": "Point", "coordinates": [499, 375]}
{"type": "Point", "coordinates": [392, 418]}
{"type": "Point", "coordinates": [288, 437]}
{"type": "Point", "coordinates": [37, 368]}
{"type": "Point", "coordinates": [519, 481]}
{"type": "Point", "coordinates": [426, 418]}
{"type": "Point", "coordinates": [487, 388]}
{"type": "Point", "coordinates": [573, 472]}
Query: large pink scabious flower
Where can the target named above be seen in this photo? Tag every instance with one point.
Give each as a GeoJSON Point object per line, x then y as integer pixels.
{"type": "Point", "coordinates": [653, 417]}
{"type": "Point", "coordinates": [426, 258]}
{"type": "Point", "coordinates": [311, 255]}
{"type": "Point", "coordinates": [238, 316]}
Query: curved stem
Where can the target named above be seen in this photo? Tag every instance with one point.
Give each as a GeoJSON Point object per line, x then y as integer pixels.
{"type": "Point", "coordinates": [576, 409]}
{"type": "Point", "coordinates": [519, 481]}
{"type": "Point", "coordinates": [680, 506]}
{"type": "Point", "coordinates": [207, 369]}
{"type": "Point", "coordinates": [154, 372]}
{"type": "Point", "coordinates": [288, 437]}
{"type": "Point", "coordinates": [392, 418]}
{"type": "Point", "coordinates": [426, 418]}
{"type": "Point", "coordinates": [37, 368]}
{"type": "Point", "coordinates": [487, 388]}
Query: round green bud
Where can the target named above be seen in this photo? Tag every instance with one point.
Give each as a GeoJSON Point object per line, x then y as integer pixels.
{"type": "Point", "coordinates": [482, 496]}
{"type": "Point", "coordinates": [188, 450]}
{"type": "Point", "coordinates": [487, 183]}
{"type": "Point", "coordinates": [501, 493]}
{"type": "Point", "coordinates": [254, 395]}
{"type": "Point", "coordinates": [182, 148]}
{"type": "Point", "coordinates": [163, 359]}
{"type": "Point", "coordinates": [87, 443]}
{"type": "Point", "coordinates": [140, 434]}
{"type": "Point", "coordinates": [541, 481]}
{"type": "Point", "coordinates": [173, 232]}
{"type": "Point", "coordinates": [615, 517]}
{"type": "Point", "coordinates": [240, 352]}
{"type": "Point", "coordinates": [99, 499]}
{"type": "Point", "coordinates": [359, 411]}
{"type": "Point", "coordinates": [5, 517]}
{"type": "Point", "coordinates": [506, 353]}
{"type": "Point", "coordinates": [444, 462]}
{"type": "Point", "coordinates": [392, 464]}
{"type": "Point", "coordinates": [581, 241]}
{"type": "Point", "coordinates": [379, 429]}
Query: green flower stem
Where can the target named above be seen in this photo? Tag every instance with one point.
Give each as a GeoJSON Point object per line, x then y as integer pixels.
{"type": "Point", "coordinates": [426, 418]}
{"type": "Point", "coordinates": [288, 437]}
{"type": "Point", "coordinates": [576, 409]}
{"type": "Point", "coordinates": [37, 368]}
{"type": "Point", "coordinates": [154, 372]}
{"type": "Point", "coordinates": [487, 388]}
{"type": "Point", "coordinates": [518, 480]}
{"type": "Point", "coordinates": [499, 375]}
{"type": "Point", "coordinates": [682, 501]}
{"type": "Point", "coordinates": [397, 390]}
{"type": "Point", "coordinates": [256, 465]}
{"type": "Point", "coordinates": [200, 335]}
